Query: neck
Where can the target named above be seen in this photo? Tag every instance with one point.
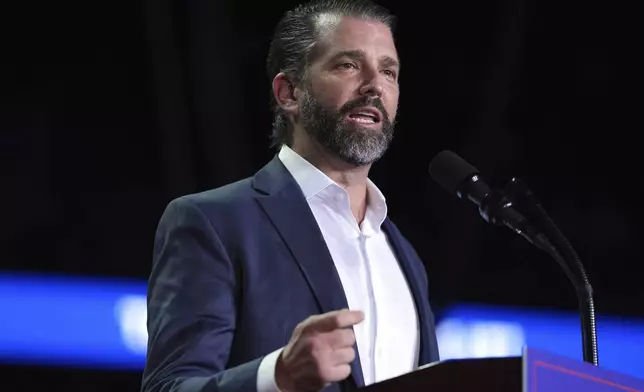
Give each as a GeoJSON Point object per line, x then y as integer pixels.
{"type": "Point", "coordinates": [350, 177]}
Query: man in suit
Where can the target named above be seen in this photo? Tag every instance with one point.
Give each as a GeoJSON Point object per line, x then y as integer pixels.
{"type": "Point", "coordinates": [295, 279]}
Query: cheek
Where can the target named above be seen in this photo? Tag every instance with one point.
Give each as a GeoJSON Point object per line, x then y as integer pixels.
{"type": "Point", "coordinates": [333, 92]}
{"type": "Point", "coordinates": [392, 103]}
{"type": "Point", "coordinates": [336, 96]}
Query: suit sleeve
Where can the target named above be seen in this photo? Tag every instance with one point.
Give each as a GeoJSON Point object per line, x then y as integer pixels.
{"type": "Point", "coordinates": [192, 293]}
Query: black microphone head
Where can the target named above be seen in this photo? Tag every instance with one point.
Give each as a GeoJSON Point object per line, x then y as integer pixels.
{"type": "Point", "coordinates": [450, 171]}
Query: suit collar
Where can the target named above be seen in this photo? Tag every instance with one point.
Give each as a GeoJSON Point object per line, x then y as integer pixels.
{"type": "Point", "coordinates": [272, 178]}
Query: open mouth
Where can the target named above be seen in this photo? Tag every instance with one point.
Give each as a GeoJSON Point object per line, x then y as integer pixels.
{"type": "Point", "coordinates": [365, 116]}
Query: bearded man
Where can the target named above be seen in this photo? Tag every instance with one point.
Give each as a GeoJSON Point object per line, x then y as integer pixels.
{"type": "Point", "coordinates": [295, 279]}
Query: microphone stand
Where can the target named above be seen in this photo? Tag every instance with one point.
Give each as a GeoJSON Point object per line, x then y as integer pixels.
{"type": "Point", "coordinates": [558, 247]}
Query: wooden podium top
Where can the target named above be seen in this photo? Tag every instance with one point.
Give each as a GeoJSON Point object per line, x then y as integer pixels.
{"type": "Point", "coordinates": [534, 371]}
{"type": "Point", "coordinates": [490, 374]}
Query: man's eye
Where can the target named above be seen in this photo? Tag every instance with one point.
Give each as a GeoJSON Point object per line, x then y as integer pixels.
{"type": "Point", "coordinates": [347, 65]}
{"type": "Point", "coordinates": [390, 73]}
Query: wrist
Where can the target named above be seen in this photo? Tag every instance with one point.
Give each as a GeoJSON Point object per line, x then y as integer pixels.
{"type": "Point", "coordinates": [282, 377]}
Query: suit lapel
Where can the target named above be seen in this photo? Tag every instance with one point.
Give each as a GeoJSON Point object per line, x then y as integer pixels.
{"type": "Point", "coordinates": [289, 212]}
{"type": "Point", "coordinates": [297, 226]}
{"type": "Point", "coordinates": [412, 276]}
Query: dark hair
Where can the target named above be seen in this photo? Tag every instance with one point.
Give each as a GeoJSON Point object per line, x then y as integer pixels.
{"type": "Point", "coordinates": [295, 38]}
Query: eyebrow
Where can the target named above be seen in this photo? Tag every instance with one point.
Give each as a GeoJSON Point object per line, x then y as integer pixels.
{"type": "Point", "coordinates": [359, 55]}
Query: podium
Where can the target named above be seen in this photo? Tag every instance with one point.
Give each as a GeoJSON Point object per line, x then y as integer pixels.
{"type": "Point", "coordinates": [534, 371]}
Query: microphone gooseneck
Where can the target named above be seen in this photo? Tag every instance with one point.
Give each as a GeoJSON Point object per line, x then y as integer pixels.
{"type": "Point", "coordinates": [567, 257]}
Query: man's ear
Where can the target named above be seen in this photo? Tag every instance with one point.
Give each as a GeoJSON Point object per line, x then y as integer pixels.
{"type": "Point", "coordinates": [284, 93]}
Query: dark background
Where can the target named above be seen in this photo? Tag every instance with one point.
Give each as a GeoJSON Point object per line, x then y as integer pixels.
{"type": "Point", "coordinates": [112, 109]}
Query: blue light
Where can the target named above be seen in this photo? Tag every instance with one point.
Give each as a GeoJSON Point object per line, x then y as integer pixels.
{"type": "Point", "coordinates": [488, 331]}
{"type": "Point", "coordinates": [69, 321]}
{"type": "Point", "coordinates": [100, 323]}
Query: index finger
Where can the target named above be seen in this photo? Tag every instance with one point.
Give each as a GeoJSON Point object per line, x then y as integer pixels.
{"type": "Point", "coordinates": [337, 319]}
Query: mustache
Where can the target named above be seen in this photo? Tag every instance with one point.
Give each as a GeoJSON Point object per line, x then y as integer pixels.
{"type": "Point", "coordinates": [362, 102]}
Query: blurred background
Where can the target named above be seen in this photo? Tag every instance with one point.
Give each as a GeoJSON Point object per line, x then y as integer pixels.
{"type": "Point", "coordinates": [110, 110]}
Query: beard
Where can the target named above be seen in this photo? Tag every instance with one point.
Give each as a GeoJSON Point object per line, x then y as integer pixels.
{"type": "Point", "coordinates": [352, 143]}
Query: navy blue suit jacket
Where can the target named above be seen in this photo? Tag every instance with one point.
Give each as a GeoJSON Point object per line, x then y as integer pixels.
{"type": "Point", "coordinates": [235, 269]}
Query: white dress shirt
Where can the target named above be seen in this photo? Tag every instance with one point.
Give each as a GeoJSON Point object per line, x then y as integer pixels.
{"type": "Point", "coordinates": [373, 282]}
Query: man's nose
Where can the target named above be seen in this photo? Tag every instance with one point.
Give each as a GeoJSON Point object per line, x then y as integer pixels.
{"type": "Point", "coordinates": [372, 85]}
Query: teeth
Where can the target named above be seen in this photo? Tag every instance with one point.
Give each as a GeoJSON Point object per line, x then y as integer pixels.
{"type": "Point", "coordinates": [367, 115]}
{"type": "Point", "coordinates": [364, 120]}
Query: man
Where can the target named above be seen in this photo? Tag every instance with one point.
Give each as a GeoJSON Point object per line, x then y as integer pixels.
{"type": "Point", "coordinates": [295, 279]}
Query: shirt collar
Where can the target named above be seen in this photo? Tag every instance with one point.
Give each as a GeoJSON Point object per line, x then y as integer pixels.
{"type": "Point", "coordinates": [310, 179]}
{"type": "Point", "coordinates": [376, 210]}
{"type": "Point", "coordinates": [312, 182]}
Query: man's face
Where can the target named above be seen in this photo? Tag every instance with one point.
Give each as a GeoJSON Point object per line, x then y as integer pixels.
{"type": "Point", "coordinates": [350, 95]}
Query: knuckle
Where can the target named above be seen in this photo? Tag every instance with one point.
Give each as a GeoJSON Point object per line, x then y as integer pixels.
{"type": "Point", "coordinates": [299, 329]}
{"type": "Point", "coordinates": [340, 319]}
{"type": "Point", "coordinates": [306, 325]}
{"type": "Point", "coordinates": [315, 345]}
{"type": "Point", "coordinates": [323, 371]}
{"type": "Point", "coordinates": [345, 338]}
{"type": "Point", "coordinates": [344, 371]}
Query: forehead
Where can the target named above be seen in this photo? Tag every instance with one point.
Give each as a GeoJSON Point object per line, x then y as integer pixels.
{"type": "Point", "coordinates": [347, 34]}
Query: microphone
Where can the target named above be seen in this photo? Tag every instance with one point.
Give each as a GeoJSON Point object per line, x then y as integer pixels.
{"type": "Point", "coordinates": [459, 177]}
